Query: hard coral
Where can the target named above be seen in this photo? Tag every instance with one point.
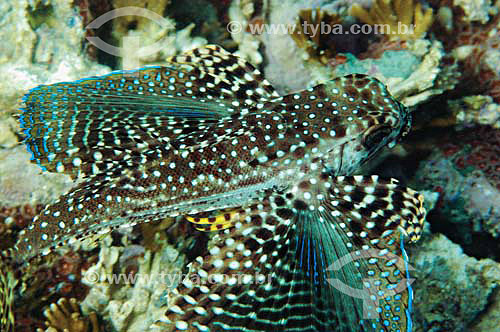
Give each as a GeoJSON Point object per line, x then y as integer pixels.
{"type": "Point", "coordinates": [475, 110]}
{"type": "Point", "coordinates": [46, 279]}
{"type": "Point", "coordinates": [481, 152]}
{"type": "Point", "coordinates": [477, 49]}
{"type": "Point", "coordinates": [13, 219]}
{"type": "Point", "coordinates": [377, 49]}
{"type": "Point", "coordinates": [317, 44]}
{"type": "Point", "coordinates": [405, 19]}
{"type": "Point", "coordinates": [65, 316]}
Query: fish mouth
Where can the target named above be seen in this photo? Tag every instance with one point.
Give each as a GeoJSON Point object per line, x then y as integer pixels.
{"type": "Point", "coordinates": [392, 143]}
{"type": "Point", "coordinates": [340, 151]}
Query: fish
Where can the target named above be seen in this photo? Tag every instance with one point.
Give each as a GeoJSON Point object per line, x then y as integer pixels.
{"type": "Point", "coordinates": [7, 285]}
{"type": "Point", "coordinates": [209, 134]}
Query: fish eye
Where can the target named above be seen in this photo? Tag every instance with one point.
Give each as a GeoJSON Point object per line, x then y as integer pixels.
{"type": "Point", "coordinates": [374, 136]}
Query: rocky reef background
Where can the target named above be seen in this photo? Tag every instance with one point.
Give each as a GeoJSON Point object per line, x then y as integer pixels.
{"type": "Point", "coordinates": [447, 70]}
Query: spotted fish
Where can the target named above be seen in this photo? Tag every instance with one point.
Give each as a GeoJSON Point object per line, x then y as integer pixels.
{"type": "Point", "coordinates": [7, 284]}
{"type": "Point", "coordinates": [209, 133]}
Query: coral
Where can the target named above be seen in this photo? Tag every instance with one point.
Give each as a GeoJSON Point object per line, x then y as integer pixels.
{"type": "Point", "coordinates": [464, 167]}
{"type": "Point", "coordinates": [376, 50]}
{"type": "Point", "coordinates": [45, 45]}
{"type": "Point", "coordinates": [15, 218]}
{"type": "Point", "coordinates": [318, 46]}
{"type": "Point", "coordinates": [396, 14]}
{"type": "Point", "coordinates": [452, 291]}
{"type": "Point", "coordinates": [488, 320]}
{"type": "Point", "coordinates": [246, 14]}
{"type": "Point", "coordinates": [412, 75]}
{"type": "Point", "coordinates": [476, 49]}
{"type": "Point", "coordinates": [285, 66]}
{"type": "Point", "coordinates": [30, 186]}
{"type": "Point", "coordinates": [476, 10]}
{"type": "Point", "coordinates": [392, 64]}
{"type": "Point", "coordinates": [132, 299]}
{"type": "Point", "coordinates": [481, 150]}
{"type": "Point", "coordinates": [44, 280]}
{"type": "Point", "coordinates": [475, 110]}
{"type": "Point", "coordinates": [144, 41]}
{"type": "Point", "coordinates": [66, 316]}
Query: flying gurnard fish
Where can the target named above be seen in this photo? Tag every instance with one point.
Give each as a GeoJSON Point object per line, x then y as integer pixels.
{"type": "Point", "coordinates": [208, 134]}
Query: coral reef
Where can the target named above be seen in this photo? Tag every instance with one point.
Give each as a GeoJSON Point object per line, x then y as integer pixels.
{"type": "Point", "coordinates": [66, 316]}
{"type": "Point", "coordinates": [413, 68]}
{"type": "Point", "coordinates": [464, 168]}
{"type": "Point", "coordinates": [399, 15]}
{"type": "Point", "coordinates": [30, 186]}
{"type": "Point", "coordinates": [45, 46]}
{"type": "Point", "coordinates": [453, 292]}
{"type": "Point", "coordinates": [413, 74]}
{"type": "Point", "coordinates": [152, 38]}
{"type": "Point", "coordinates": [244, 16]}
{"type": "Point", "coordinates": [44, 281]}
{"type": "Point", "coordinates": [475, 110]}
{"type": "Point", "coordinates": [131, 299]}
{"type": "Point", "coordinates": [476, 48]}
{"type": "Point", "coordinates": [447, 69]}
{"type": "Point", "coordinates": [318, 46]}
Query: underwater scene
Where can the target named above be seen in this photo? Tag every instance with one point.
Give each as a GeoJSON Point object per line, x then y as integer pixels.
{"type": "Point", "coordinates": [249, 165]}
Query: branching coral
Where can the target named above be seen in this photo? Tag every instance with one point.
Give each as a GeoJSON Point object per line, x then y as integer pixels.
{"type": "Point", "coordinates": [399, 16]}
{"type": "Point", "coordinates": [318, 45]}
{"type": "Point", "coordinates": [66, 316]}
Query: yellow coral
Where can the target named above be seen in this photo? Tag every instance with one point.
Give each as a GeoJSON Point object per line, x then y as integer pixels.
{"type": "Point", "coordinates": [66, 317]}
{"type": "Point", "coordinates": [396, 14]}
{"type": "Point", "coordinates": [317, 45]}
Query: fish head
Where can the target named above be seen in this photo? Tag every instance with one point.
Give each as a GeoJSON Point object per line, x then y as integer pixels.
{"type": "Point", "coordinates": [349, 119]}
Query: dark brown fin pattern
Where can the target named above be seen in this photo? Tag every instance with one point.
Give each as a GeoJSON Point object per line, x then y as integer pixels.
{"type": "Point", "coordinates": [209, 133]}
{"type": "Point", "coordinates": [285, 247]}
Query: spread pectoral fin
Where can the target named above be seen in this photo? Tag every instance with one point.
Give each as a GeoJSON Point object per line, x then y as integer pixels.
{"type": "Point", "coordinates": [306, 259]}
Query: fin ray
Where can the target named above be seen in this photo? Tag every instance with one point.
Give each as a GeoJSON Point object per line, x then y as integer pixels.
{"type": "Point", "coordinates": [301, 244]}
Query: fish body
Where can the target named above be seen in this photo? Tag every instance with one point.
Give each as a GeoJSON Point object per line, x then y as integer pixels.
{"type": "Point", "coordinates": [208, 133]}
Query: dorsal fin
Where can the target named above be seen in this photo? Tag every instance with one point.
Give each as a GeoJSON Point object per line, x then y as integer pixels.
{"type": "Point", "coordinates": [68, 124]}
{"type": "Point", "coordinates": [246, 81]}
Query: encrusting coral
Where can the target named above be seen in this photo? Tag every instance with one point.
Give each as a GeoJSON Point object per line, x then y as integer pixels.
{"type": "Point", "coordinates": [399, 15]}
